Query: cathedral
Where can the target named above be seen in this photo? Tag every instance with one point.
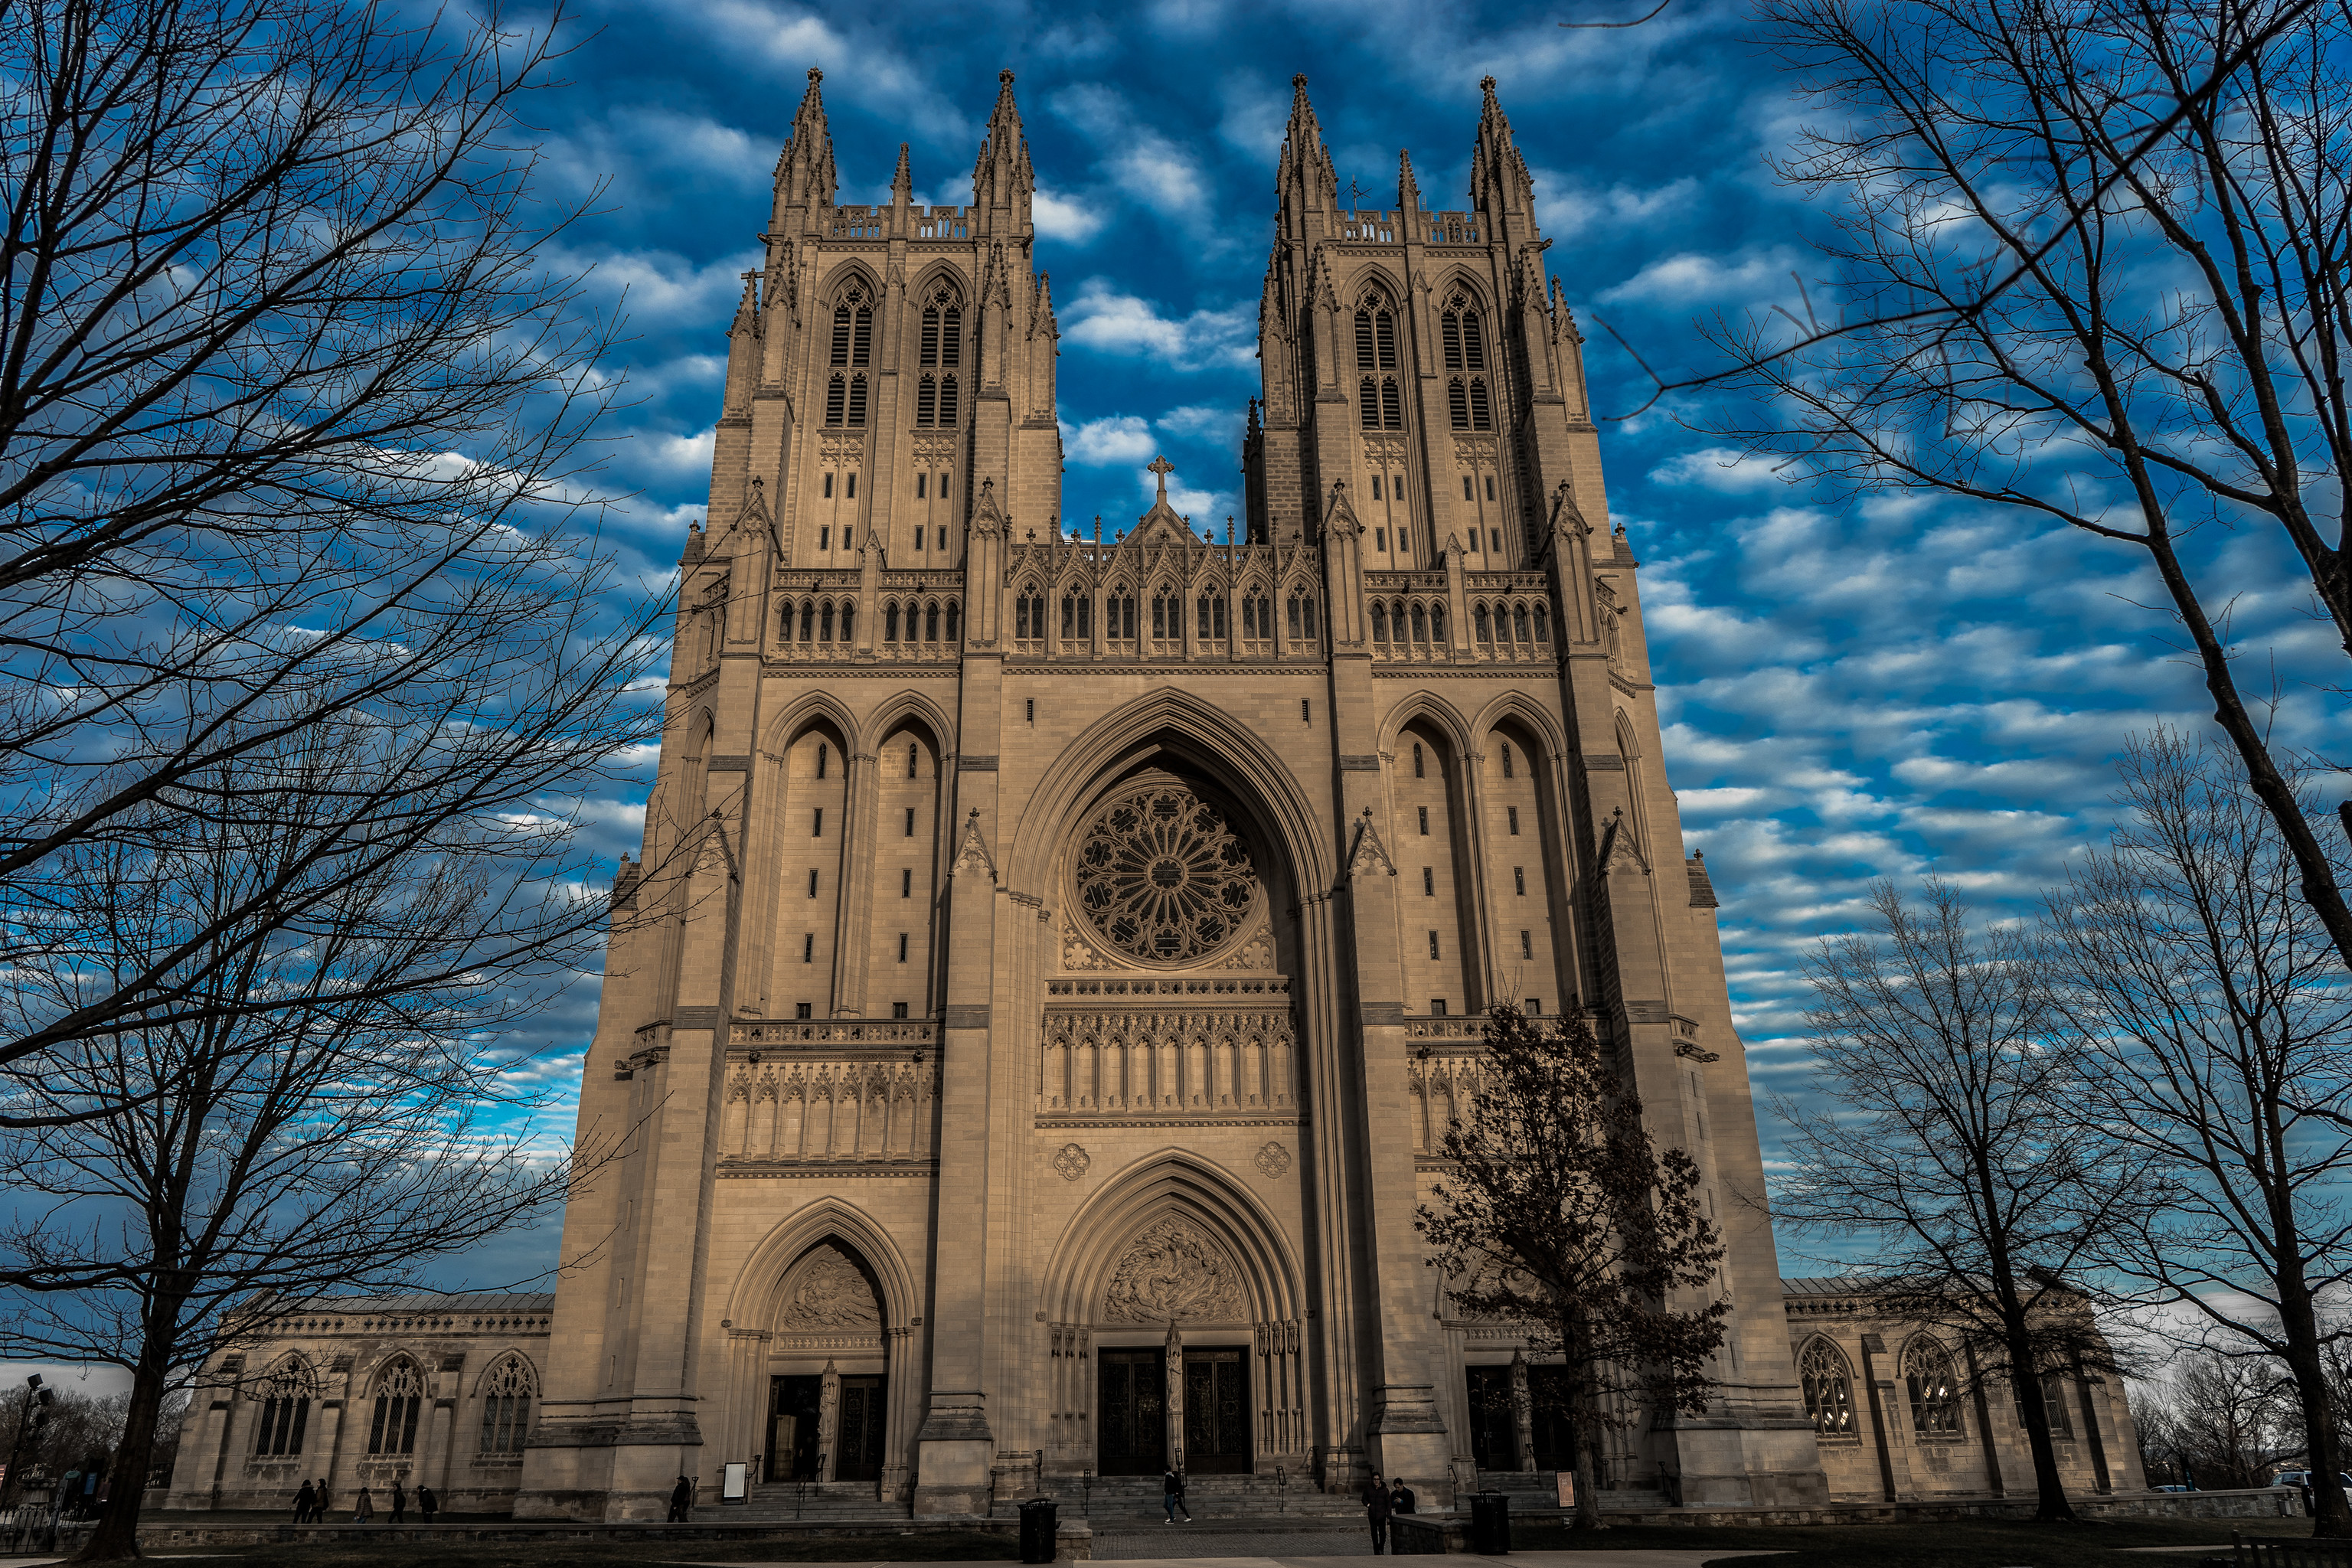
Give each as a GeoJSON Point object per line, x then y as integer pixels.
{"type": "Point", "coordinates": [1052, 960]}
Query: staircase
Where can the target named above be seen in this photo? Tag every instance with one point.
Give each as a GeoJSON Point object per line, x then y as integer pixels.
{"type": "Point", "coordinates": [1114, 1501]}
{"type": "Point", "coordinates": [814, 1502]}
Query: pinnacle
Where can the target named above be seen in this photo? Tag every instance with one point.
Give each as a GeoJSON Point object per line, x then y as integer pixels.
{"type": "Point", "coordinates": [902, 182]}
{"type": "Point", "coordinates": [1408, 188]}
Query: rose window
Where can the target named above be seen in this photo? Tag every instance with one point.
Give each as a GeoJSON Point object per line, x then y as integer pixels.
{"type": "Point", "coordinates": [1161, 876]}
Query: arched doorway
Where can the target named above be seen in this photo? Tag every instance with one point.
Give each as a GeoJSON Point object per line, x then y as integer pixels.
{"type": "Point", "coordinates": [828, 1384]}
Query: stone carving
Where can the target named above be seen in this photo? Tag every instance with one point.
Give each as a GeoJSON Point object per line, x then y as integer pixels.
{"type": "Point", "coordinates": [829, 1294]}
{"type": "Point", "coordinates": [1273, 1160]}
{"type": "Point", "coordinates": [1072, 1162]}
{"type": "Point", "coordinates": [1173, 1273]}
{"type": "Point", "coordinates": [1163, 877]}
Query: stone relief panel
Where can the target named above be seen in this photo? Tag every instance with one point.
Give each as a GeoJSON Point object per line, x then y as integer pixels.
{"type": "Point", "coordinates": [1173, 1272]}
{"type": "Point", "coordinates": [1137, 1063]}
{"type": "Point", "coordinates": [828, 1293]}
{"type": "Point", "coordinates": [814, 1110]}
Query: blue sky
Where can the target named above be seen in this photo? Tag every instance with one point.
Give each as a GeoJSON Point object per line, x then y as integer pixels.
{"type": "Point", "coordinates": [1850, 690]}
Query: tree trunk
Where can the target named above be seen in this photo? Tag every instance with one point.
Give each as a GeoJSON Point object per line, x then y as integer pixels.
{"type": "Point", "coordinates": [1584, 1375]}
{"type": "Point", "coordinates": [2324, 1445]}
{"type": "Point", "coordinates": [2050, 1491]}
{"type": "Point", "coordinates": [116, 1538]}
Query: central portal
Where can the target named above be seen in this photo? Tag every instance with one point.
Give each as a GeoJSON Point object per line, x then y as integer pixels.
{"type": "Point", "coordinates": [1216, 1413]}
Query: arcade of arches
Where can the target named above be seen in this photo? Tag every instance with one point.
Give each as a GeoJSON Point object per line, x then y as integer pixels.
{"type": "Point", "coordinates": [1029, 1038]}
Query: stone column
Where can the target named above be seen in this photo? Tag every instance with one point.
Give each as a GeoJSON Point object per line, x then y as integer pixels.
{"type": "Point", "coordinates": [1523, 1414]}
{"type": "Point", "coordinates": [828, 1421]}
{"type": "Point", "coordinates": [1174, 1373]}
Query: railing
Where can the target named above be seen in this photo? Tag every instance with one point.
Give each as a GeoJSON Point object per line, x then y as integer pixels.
{"type": "Point", "coordinates": [1379, 228]}
{"type": "Point", "coordinates": [861, 223]}
{"type": "Point", "coordinates": [769, 1034]}
{"type": "Point", "coordinates": [1453, 229]}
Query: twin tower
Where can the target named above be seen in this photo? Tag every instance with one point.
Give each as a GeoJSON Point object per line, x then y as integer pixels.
{"type": "Point", "coordinates": [1052, 963]}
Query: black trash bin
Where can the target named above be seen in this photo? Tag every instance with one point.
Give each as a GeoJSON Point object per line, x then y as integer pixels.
{"type": "Point", "coordinates": [1490, 1523]}
{"type": "Point", "coordinates": [1039, 1520]}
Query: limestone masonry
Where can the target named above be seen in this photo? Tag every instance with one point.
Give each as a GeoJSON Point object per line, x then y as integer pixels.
{"type": "Point", "coordinates": [1053, 958]}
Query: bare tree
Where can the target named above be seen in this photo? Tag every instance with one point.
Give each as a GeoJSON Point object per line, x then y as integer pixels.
{"type": "Point", "coordinates": [291, 430]}
{"type": "Point", "coordinates": [2212, 1014]}
{"type": "Point", "coordinates": [2095, 265]}
{"type": "Point", "coordinates": [1953, 1142]}
{"type": "Point", "coordinates": [1555, 1212]}
{"type": "Point", "coordinates": [247, 1159]}
{"type": "Point", "coordinates": [2220, 1419]}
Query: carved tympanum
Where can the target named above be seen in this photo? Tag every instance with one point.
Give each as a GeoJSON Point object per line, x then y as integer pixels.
{"type": "Point", "coordinates": [829, 1293]}
{"type": "Point", "coordinates": [1173, 1273]}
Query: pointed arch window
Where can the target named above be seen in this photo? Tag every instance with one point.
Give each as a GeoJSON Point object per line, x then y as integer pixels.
{"type": "Point", "coordinates": [1376, 359]}
{"type": "Point", "coordinates": [286, 1398]}
{"type": "Point", "coordinates": [853, 331]}
{"type": "Point", "coordinates": [941, 352]}
{"type": "Point", "coordinates": [1935, 1392]}
{"type": "Point", "coordinates": [1828, 1386]}
{"type": "Point", "coordinates": [506, 1394]}
{"type": "Point", "coordinates": [399, 1390]}
{"type": "Point", "coordinates": [1380, 621]}
{"type": "Point", "coordinates": [1463, 333]}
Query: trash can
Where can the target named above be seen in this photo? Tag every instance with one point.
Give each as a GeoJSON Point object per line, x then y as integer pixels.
{"type": "Point", "coordinates": [1039, 1520]}
{"type": "Point", "coordinates": [1490, 1523]}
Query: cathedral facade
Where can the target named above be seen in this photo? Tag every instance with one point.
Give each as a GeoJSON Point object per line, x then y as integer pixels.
{"type": "Point", "coordinates": [1054, 959]}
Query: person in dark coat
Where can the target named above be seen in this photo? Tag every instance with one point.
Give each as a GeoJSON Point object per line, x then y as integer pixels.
{"type": "Point", "coordinates": [364, 1512]}
{"type": "Point", "coordinates": [426, 1503]}
{"type": "Point", "coordinates": [1172, 1495]}
{"type": "Point", "coordinates": [681, 1497]}
{"type": "Point", "coordinates": [399, 1502]}
{"type": "Point", "coordinates": [1401, 1498]}
{"type": "Point", "coordinates": [1375, 1509]}
{"type": "Point", "coordinates": [320, 1503]}
{"type": "Point", "coordinates": [304, 1501]}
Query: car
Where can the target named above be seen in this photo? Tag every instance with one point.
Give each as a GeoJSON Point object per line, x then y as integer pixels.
{"type": "Point", "coordinates": [2303, 1477]}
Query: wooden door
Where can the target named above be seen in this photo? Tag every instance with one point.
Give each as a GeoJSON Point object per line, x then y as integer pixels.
{"type": "Point", "coordinates": [1216, 1413]}
{"type": "Point", "coordinates": [857, 1446]}
{"type": "Point", "coordinates": [1132, 1422]}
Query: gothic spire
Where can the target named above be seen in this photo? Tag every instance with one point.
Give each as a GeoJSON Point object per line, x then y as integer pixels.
{"type": "Point", "coordinates": [1408, 188]}
{"type": "Point", "coordinates": [743, 348]}
{"type": "Point", "coordinates": [804, 172]}
{"type": "Point", "coordinates": [1304, 179]}
{"type": "Point", "coordinates": [1002, 181]}
{"type": "Point", "coordinates": [902, 182]}
{"type": "Point", "coordinates": [1499, 182]}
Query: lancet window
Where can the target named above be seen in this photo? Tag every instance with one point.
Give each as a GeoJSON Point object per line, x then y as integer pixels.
{"type": "Point", "coordinates": [286, 1398]}
{"type": "Point", "coordinates": [1376, 362]}
{"type": "Point", "coordinates": [1828, 1387]}
{"type": "Point", "coordinates": [936, 401]}
{"type": "Point", "coordinates": [1469, 403]}
{"type": "Point", "coordinates": [853, 351]}
{"type": "Point", "coordinates": [399, 1390]}
{"type": "Point", "coordinates": [506, 1406]}
{"type": "Point", "coordinates": [1935, 1392]}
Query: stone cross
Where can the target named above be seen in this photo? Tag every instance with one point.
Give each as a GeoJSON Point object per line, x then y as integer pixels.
{"type": "Point", "coordinates": [1162, 467]}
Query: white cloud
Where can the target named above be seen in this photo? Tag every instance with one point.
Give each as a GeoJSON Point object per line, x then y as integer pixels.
{"type": "Point", "coordinates": [1758, 278]}
{"type": "Point", "coordinates": [1121, 438]}
{"type": "Point", "coordinates": [1566, 206]}
{"type": "Point", "coordinates": [1719, 469]}
{"type": "Point", "coordinates": [1071, 221]}
{"type": "Point", "coordinates": [1109, 322]}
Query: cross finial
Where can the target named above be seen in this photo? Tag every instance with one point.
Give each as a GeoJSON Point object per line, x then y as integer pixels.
{"type": "Point", "coordinates": [1162, 467]}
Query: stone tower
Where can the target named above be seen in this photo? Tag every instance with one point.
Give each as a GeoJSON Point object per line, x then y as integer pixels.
{"type": "Point", "coordinates": [1052, 961]}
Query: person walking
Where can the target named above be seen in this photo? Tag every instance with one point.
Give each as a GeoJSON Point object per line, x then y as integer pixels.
{"type": "Point", "coordinates": [426, 1503]}
{"type": "Point", "coordinates": [303, 1500]}
{"type": "Point", "coordinates": [364, 1514]}
{"type": "Point", "coordinates": [399, 1502]}
{"type": "Point", "coordinates": [320, 1503]}
{"type": "Point", "coordinates": [1172, 1495]}
{"type": "Point", "coordinates": [1375, 1509]}
{"type": "Point", "coordinates": [681, 1496]}
{"type": "Point", "coordinates": [1401, 1498]}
